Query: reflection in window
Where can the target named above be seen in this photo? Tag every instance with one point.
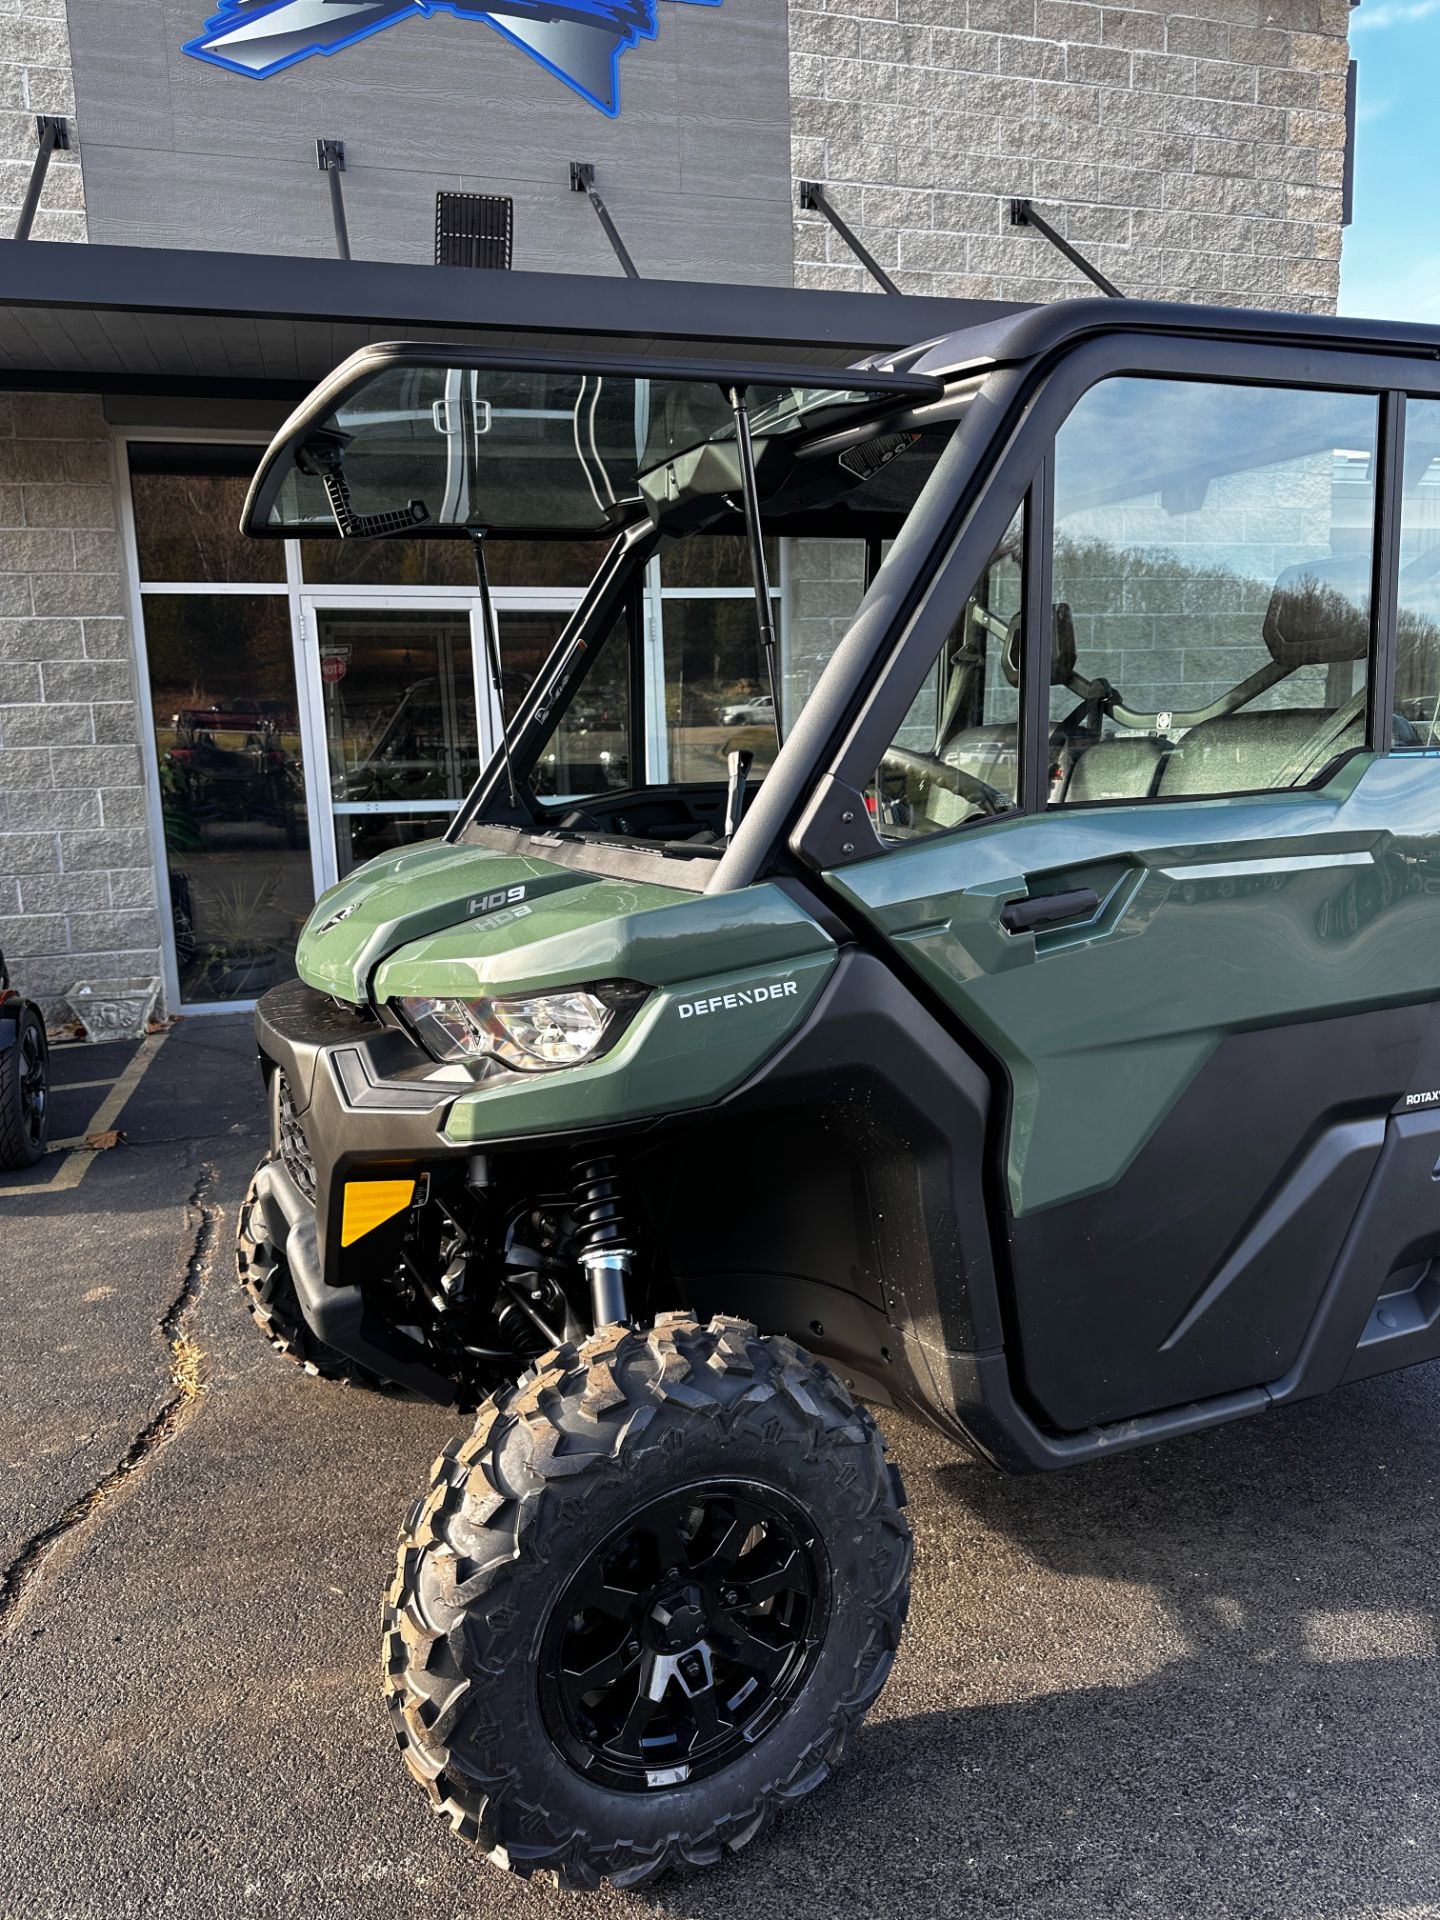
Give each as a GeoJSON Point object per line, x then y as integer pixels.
{"type": "Point", "coordinates": [365, 836]}
{"type": "Point", "coordinates": [399, 693]}
{"type": "Point", "coordinates": [187, 503]}
{"type": "Point", "coordinates": [1417, 662]}
{"type": "Point", "coordinates": [1212, 563]}
{"type": "Point", "coordinates": [533, 564]}
{"type": "Point", "coordinates": [591, 751]}
{"type": "Point", "coordinates": [232, 788]}
{"type": "Point", "coordinates": [956, 756]}
{"type": "Point", "coordinates": [716, 687]}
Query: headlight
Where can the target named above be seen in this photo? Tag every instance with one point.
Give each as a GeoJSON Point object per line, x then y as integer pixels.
{"type": "Point", "coordinates": [531, 1032]}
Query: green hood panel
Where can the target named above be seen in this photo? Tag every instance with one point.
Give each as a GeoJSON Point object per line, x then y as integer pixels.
{"type": "Point", "coordinates": [402, 896]}
{"type": "Point", "coordinates": [604, 930]}
{"type": "Point", "coordinates": [735, 973]}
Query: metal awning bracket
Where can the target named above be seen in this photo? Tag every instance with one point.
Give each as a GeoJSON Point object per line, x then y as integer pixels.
{"type": "Point", "coordinates": [330, 158]}
{"type": "Point", "coordinates": [52, 131]}
{"type": "Point", "coordinates": [813, 199]}
{"type": "Point", "coordinates": [582, 180]}
{"type": "Point", "coordinates": [1023, 214]}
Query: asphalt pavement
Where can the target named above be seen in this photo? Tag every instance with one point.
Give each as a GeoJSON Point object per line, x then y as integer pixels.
{"type": "Point", "coordinates": [1202, 1680]}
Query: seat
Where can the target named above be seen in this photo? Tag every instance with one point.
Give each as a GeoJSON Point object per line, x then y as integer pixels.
{"type": "Point", "coordinates": [1122, 767]}
{"type": "Point", "coordinates": [1254, 752]}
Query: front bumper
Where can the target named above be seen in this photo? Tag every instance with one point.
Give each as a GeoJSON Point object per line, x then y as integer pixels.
{"type": "Point", "coordinates": [335, 1315]}
{"type": "Point", "coordinates": [353, 1113]}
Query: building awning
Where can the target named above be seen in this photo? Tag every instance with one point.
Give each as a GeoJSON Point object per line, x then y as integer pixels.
{"type": "Point", "coordinates": [147, 320]}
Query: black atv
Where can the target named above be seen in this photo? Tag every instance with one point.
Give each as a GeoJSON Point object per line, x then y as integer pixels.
{"type": "Point", "coordinates": [1038, 1031]}
{"type": "Point", "coordinates": [24, 1077]}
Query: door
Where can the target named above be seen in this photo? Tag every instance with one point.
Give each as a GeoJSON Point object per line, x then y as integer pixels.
{"type": "Point", "coordinates": [400, 695]}
{"type": "Point", "coordinates": [1203, 961]}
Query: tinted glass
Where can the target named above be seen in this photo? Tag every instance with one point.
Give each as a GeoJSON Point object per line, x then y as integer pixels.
{"type": "Point", "coordinates": [399, 696]}
{"type": "Point", "coordinates": [957, 755]}
{"type": "Point", "coordinates": [592, 749]}
{"type": "Point", "coordinates": [1211, 580]}
{"type": "Point", "coordinates": [714, 560]}
{"type": "Point", "coordinates": [364, 836]}
{"type": "Point", "coordinates": [232, 788]}
{"type": "Point", "coordinates": [716, 687]}
{"type": "Point", "coordinates": [1417, 664]}
{"type": "Point", "coordinates": [447, 563]}
{"type": "Point", "coordinates": [187, 527]}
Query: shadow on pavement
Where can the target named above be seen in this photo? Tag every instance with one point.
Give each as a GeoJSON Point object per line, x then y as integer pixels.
{"type": "Point", "coordinates": [1199, 1681]}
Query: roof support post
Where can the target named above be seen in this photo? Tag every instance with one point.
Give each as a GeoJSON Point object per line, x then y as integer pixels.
{"type": "Point", "coordinates": [54, 131]}
{"type": "Point", "coordinates": [1023, 214]}
{"type": "Point", "coordinates": [813, 199]}
{"type": "Point", "coordinates": [330, 158]}
{"type": "Point", "coordinates": [582, 180]}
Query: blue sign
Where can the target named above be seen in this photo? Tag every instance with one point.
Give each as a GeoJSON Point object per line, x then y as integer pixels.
{"type": "Point", "coordinates": [579, 41]}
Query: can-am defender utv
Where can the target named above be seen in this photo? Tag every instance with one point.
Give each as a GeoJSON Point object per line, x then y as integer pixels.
{"type": "Point", "coordinates": [1039, 1034]}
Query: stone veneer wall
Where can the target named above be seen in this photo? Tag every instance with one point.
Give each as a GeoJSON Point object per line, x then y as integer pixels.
{"type": "Point", "coordinates": [77, 886]}
{"type": "Point", "coordinates": [1192, 153]}
{"type": "Point", "coordinates": [35, 78]}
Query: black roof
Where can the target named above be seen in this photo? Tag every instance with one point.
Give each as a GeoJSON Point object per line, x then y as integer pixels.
{"type": "Point", "coordinates": [1031, 333]}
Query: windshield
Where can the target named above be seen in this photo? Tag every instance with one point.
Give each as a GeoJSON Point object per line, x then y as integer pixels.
{"type": "Point", "coordinates": [543, 453]}
{"type": "Point", "coordinates": [677, 682]}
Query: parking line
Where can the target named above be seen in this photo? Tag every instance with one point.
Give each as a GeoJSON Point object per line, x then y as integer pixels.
{"type": "Point", "coordinates": [72, 1168]}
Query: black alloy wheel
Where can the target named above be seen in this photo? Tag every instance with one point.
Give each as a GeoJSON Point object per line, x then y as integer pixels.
{"type": "Point", "coordinates": [684, 1636]}
{"type": "Point", "coordinates": [24, 1090]}
{"type": "Point", "coordinates": [34, 1084]}
{"type": "Point", "coordinates": [643, 1606]}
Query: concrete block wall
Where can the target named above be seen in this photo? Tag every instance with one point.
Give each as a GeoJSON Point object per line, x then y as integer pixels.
{"type": "Point", "coordinates": [1192, 152]}
{"type": "Point", "coordinates": [77, 878]}
{"type": "Point", "coordinates": [35, 78]}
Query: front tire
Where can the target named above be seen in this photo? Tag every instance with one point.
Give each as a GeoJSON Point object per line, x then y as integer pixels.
{"type": "Point", "coordinates": [644, 1605]}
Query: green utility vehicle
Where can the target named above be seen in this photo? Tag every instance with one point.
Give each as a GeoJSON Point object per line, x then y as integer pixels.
{"type": "Point", "coordinates": [1029, 1022]}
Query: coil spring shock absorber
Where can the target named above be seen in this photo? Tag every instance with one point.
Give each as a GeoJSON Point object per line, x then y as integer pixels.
{"type": "Point", "coordinates": [604, 1243]}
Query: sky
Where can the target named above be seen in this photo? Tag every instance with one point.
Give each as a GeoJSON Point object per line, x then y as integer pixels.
{"type": "Point", "coordinates": [1390, 262]}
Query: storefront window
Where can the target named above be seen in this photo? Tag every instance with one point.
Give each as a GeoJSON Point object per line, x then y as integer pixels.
{"type": "Point", "coordinates": [232, 788]}
{"type": "Point", "coordinates": [448, 563]}
{"type": "Point", "coordinates": [187, 503]}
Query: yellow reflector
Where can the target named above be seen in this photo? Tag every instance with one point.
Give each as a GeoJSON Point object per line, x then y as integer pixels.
{"type": "Point", "coordinates": [369, 1203]}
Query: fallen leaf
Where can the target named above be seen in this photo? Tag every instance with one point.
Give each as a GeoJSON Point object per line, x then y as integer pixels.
{"type": "Point", "coordinates": [107, 1137]}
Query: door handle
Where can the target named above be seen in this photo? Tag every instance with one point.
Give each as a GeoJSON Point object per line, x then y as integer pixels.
{"type": "Point", "coordinates": [1043, 909]}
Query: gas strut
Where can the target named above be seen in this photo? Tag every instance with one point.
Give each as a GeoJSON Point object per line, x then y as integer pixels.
{"type": "Point", "coordinates": [492, 651]}
{"type": "Point", "coordinates": [764, 613]}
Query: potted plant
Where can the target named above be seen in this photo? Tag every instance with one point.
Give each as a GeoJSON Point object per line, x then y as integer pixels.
{"type": "Point", "coordinates": [239, 960]}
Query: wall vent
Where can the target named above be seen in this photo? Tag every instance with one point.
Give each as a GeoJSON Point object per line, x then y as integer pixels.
{"type": "Point", "coordinates": [474, 229]}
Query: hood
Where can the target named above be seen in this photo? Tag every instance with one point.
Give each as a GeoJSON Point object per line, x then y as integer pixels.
{"type": "Point", "coordinates": [402, 897]}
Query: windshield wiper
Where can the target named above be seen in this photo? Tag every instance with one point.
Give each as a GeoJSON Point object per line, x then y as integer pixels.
{"type": "Point", "coordinates": [754, 533]}
{"type": "Point", "coordinates": [492, 653]}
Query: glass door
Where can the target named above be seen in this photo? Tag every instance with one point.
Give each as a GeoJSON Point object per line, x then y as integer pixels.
{"type": "Point", "coordinates": [401, 711]}
{"type": "Point", "coordinates": [396, 722]}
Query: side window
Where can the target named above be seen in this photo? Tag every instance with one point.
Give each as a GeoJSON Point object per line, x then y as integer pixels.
{"type": "Point", "coordinates": [957, 754]}
{"type": "Point", "coordinates": [1211, 584]}
{"type": "Point", "coordinates": [1417, 658]}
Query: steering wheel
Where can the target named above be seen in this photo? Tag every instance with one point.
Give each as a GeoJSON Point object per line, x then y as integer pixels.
{"type": "Point", "coordinates": [967, 786]}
